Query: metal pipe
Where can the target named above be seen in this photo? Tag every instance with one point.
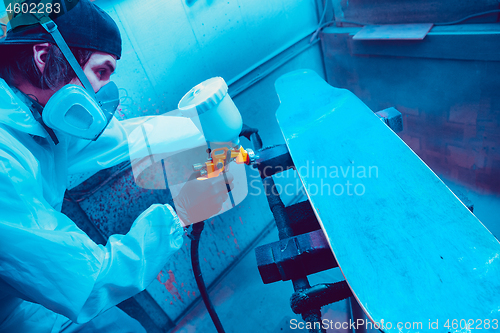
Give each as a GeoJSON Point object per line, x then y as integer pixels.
{"type": "Point", "coordinates": [310, 315]}
{"type": "Point", "coordinates": [270, 57]}
{"type": "Point", "coordinates": [277, 208]}
{"type": "Point", "coordinates": [283, 224]}
{"type": "Point", "coordinates": [236, 91]}
{"type": "Point", "coordinates": [319, 295]}
{"type": "Point", "coordinates": [314, 317]}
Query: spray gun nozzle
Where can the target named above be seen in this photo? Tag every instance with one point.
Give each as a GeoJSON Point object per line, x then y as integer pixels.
{"type": "Point", "coordinates": [219, 159]}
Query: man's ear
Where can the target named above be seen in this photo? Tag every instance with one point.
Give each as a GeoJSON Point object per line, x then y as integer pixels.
{"type": "Point", "coordinates": [40, 52]}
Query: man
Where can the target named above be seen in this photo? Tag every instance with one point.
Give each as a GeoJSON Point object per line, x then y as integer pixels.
{"type": "Point", "coordinates": [53, 278]}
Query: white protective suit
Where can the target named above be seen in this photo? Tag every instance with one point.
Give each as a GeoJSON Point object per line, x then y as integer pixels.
{"type": "Point", "coordinates": [49, 269]}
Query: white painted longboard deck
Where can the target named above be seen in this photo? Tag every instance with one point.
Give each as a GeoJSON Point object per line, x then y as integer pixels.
{"type": "Point", "coordinates": [409, 249]}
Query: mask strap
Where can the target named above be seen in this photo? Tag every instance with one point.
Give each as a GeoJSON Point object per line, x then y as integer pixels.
{"type": "Point", "coordinates": [51, 28]}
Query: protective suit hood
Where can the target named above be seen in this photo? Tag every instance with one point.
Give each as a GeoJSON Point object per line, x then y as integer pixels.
{"type": "Point", "coordinates": [16, 114]}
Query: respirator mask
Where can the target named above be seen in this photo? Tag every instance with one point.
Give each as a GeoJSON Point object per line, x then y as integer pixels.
{"type": "Point", "coordinates": [72, 110]}
{"type": "Point", "coordinates": [76, 110]}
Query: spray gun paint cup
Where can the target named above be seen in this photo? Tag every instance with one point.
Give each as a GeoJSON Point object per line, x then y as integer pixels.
{"type": "Point", "coordinates": [165, 149]}
{"type": "Point", "coordinates": [212, 111]}
{"type": "Point", "coordinates": [211, 108]}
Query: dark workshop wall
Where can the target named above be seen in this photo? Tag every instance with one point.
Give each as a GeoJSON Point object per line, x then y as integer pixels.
{"type": "Point", "coordinates": [411, 11]}
{"type": "Point", "coordinates": [446, 86]}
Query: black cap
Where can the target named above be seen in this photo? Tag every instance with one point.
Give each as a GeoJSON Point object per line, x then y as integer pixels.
{"type": "Point", "coordinates": [84, 25]}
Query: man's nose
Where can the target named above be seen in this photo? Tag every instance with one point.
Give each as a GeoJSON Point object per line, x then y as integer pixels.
{"type": "Point", "coordinates": [102, 84]}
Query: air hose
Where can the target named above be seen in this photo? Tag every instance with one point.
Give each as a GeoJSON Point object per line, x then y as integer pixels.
{"type": "Point", "coordinates": [196, 231]}
{"type": "Point", "coordinates": [197, 228]}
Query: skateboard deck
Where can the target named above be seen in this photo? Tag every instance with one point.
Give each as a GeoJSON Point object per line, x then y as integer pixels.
{"type": "Point", "coordinates": [415, 258]}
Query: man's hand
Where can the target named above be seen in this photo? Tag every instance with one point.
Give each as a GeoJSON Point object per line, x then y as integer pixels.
{"type": "Point", "coordinates": [201, 199]}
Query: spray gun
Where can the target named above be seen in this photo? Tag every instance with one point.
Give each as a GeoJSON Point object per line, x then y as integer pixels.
{"type": "Point", "coordinates": [213, 111]}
